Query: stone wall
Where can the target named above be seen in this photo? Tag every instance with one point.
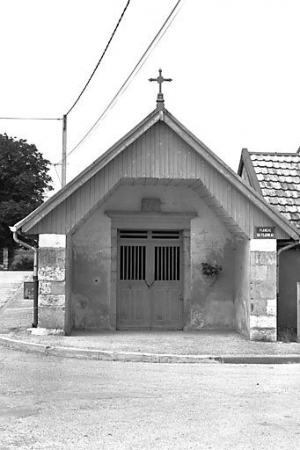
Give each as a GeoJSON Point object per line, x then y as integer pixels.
{"type": "Point", "coordinates": [95, 261]}
{"type": "Point", "coordinates": [263, 310]}
{"type": "Point", "coordinates": [242, 287]}
{"type": "Point", "coordinates": [52, 273]}
{"type": "Point", "coordinates": [91, 273]}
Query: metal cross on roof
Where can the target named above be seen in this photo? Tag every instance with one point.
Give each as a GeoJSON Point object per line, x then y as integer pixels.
{"type": "Point", "coordinates": [160, 79]}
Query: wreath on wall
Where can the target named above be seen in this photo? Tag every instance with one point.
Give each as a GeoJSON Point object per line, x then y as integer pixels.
{"type": "Point", "coordinates": [211, 270]}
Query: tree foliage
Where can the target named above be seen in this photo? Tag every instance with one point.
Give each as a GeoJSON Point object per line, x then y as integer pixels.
{"type": "Point", "coordinates": [24, 181]}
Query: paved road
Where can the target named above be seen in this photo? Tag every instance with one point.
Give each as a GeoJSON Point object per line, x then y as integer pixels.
{"type": "Point", "coordinates": [9, 283]}
{"type": "Point", "coordinates": [52, 403]}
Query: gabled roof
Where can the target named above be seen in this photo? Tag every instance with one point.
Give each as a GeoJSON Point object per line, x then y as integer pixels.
{"type": "Point", "coordinates": [277, 177]}
{"type": "Point", "coordinates": [226, 189]}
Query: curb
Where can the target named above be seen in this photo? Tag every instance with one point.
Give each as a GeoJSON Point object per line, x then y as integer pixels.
{"type": "Point", "coordinates": [105, 355]}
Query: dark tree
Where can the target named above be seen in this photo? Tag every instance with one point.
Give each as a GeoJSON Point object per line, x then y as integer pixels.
{"type": "Point", "coordinates": [24, 181]}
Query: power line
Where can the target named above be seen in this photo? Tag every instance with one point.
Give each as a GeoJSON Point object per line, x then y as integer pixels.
{"type": "Point", "coordinates": [30, 118]}
{"type": "Point", "coordinates": [57, 174]}
{"type": "Point", "coordinates": [87, 83]}
{"type": "Point", "coordinates": [135, 70]}
{"type": "Point", "coordinates": [101, 58]}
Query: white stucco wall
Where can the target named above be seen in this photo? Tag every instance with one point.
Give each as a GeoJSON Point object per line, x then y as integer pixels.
{"type": "Point", "coordinates": [210, 305]}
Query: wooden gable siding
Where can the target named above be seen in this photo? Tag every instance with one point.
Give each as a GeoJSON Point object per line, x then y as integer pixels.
{"type": "Point", "coordinates": [237, 212]}
{"type": "Point", "coordinates": [159, 154]}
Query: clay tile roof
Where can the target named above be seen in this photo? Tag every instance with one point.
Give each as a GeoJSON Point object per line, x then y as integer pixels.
{"type": "Point", "coordinates": [278, 176]}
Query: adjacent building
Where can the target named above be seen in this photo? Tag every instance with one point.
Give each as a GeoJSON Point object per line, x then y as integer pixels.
{"type": "Point", "coordinates": [276, 177]}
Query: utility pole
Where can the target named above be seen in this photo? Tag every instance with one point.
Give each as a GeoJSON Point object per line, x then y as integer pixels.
{"type": "Point", "coordinates": [64, 153]}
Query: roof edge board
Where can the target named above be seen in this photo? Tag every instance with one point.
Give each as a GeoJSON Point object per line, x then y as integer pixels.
{"type": "Point", "coordinates": [34, 217]}
{"type": "Point", "coordinates": [247, 163]}
{"type": "Point", "coordinates": [231, 176]}
{"type": "Point", "coordinates": [154, 117]}
{"type": "Point", "coordinates": [274, 153]}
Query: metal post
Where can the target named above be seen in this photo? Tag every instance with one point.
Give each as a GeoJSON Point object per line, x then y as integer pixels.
{"type": "Point", "coordinates": [298, 312]}
{"type": "Point", "coordinates": [64, 153]}
{"type": "Point", "coordinates": [35, 300]}
{"type": "Point", "coordinates": [35, 274]}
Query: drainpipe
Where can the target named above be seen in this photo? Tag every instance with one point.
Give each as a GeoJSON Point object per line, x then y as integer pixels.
{"type": "Point", "coordinates": [35, 274]}
{"type": "Point", "coordinates": [281, 250]}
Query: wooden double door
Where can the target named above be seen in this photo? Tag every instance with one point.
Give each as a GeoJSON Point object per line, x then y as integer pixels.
{"type": "Point", "coordinates": [150, 288]}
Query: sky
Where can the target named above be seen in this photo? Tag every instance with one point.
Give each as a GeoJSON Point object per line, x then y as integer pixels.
{"type": "Point", "coordinates": [235, 66]}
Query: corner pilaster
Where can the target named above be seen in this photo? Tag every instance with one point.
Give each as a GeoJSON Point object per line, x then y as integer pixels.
{"type": "Point", "coordinates": [263, 307]}
{"type": "Point", "coordinates": [52, 281]}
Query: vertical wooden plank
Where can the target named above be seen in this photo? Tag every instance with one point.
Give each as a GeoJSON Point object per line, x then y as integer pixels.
{"type": "Point", "coordinates": [183, 160]}
{"type": "Point", "coordinates": [73, 210]}
{"type": "Point", "coordinates": [106, 179]}
{"type": "Point", "coordinates": [97, 187]}
{"type": "Point", "coordinates": [147, 142]}
{"type": "Point", "coordinates": [92, 191]}
{"type": "Point", "coordinates": [143, 155]}
{"type": "Point", "coordinates": [133, 161]}
{"type": "Point", "coordinates": [115, 170]}
{"type": "Point", "coordinates": [158, 153]}
{"type": "Point", "coordinates": [174, 161]}
{"type": "Point", "coordinates": [219, 186]}
{"type": "Point", "coordinates": [139, 159]}
{"type": "Point", "coordinates": [88, 197]}
{"type": "Point", "coordinates": [125, 164]}
{"type": "Point", "coordinates": [129, 161]}
{"type": "Point", "coordinates": [152, 133]}
{"type": "Point", "coordinates": [164, 149]}
{"type": "Point", "coordinates": [111, 175]}
{"type": "Point", "coordinates": [189, 168]}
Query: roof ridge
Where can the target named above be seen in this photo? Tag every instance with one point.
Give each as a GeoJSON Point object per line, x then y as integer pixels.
{"type": "Point", "coordinates": [274, 153]}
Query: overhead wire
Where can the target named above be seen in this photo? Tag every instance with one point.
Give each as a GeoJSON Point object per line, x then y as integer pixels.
{"type": "Point", "coordinates": [101, 58]}
{"type": "Point", "coordinates": [87, 83]}
{"type": "Point", "coordinates": [30, 118]}
{"type": "Point", "coordinates": [158, 36]}
{"type": "Point", "coordinates": [57, 174]}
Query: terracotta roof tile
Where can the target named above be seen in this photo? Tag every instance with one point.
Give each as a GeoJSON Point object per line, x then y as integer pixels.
{"type": "Point", "coordinates": [278, 176]}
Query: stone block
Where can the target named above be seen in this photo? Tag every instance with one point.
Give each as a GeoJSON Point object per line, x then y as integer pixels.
{"type": "Point", "coordinates": [271, 307]}
{"type": "Point", "coordinates": [114, 233]}
{"type": "Point", "coordinates": [186, 234]}
{"type": "Point", "coordinates": [264, 307]}
{"type": "Point", "coordinates": [113, 321]}
{"type": "Point", "coordinates": [263, 245]}
{"type": "Point", "coordinates": [114, 253]}
{"type": "Point", "coordinates": [271, 272]}
{"type": "Point", "coordinates": [52, 240]}
{"type": "Point", "coordinates": [52, 317]}
{"type": "Point", "coordinates": [113, 242]}
{"type": "Point", "coordinates": [258, 273]}
{"type": "Point", "coordinates": [114, 265]}
{"type": "Point", "coordinates": [51, 273]}
{"type": "Point", "coordinates": [52, 287]}
{"type": "Point", "coordinates": [52, 300]}
{"type": "Point", "coordinates": [263, 258]}
{"type": "Point", "coordinates": [259, 307]}
{"type": "Point", "coordinates": [113, 277]}
{"type": "Point", "coordinates": [263, 334]}
{"type": "Point", "coordinates": [262, 290]}
{"type": "Point", "coordinates": [55, 257]}
{"type": "Point", "coordinates": [262, 321]}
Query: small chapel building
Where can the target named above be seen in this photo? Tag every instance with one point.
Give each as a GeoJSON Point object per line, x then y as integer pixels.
{"type": "Point", "coordinates": [158, 233]}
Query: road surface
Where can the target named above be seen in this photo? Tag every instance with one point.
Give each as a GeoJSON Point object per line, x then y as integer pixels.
{"type": "Point", "coordinates": [54, 403]}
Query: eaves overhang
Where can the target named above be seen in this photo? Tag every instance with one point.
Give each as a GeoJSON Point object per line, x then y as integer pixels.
{"type": "Point", "coordinates": [31, 220]}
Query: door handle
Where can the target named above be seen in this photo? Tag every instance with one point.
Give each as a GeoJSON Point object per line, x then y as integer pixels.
{"type": "Point", "coordinates": [149, 285]}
